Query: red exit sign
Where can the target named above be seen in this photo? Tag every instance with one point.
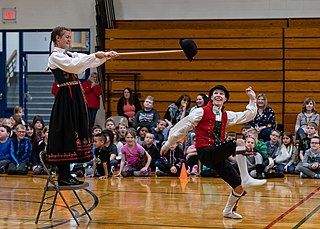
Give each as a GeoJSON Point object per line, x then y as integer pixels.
{"type": "Point", "coordinates": [9, 15]}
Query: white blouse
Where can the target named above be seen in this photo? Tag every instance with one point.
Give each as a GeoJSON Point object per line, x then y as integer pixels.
{"type": "Point", "coordinates": [76, 64]}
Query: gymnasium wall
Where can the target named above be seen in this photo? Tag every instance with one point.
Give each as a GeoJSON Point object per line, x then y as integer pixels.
{"type": "Point", "coordinates": [279, 57]}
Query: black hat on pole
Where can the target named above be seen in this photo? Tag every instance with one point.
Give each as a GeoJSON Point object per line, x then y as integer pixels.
{"type": "Point", "coordinates": [220, 87]}
{"type": "Point", "coordinates": [189, 48]}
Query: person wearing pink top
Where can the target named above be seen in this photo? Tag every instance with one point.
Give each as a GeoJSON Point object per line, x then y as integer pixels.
{"type": "Point", "coordinates": [135, 160]}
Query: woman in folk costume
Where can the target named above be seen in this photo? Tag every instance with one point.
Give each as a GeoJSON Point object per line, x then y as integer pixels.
{"type": "Point", "coordinates": [69, 140]}
{"type": "Point", "coordinates": [210, 124]}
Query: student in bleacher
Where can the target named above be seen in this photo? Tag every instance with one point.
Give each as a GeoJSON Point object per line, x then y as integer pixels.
{"type": "Point", "coordinates": [122, 130]}
{"type": "Point", "coordinates": [153, 151]}
{"type": "Point", "coordinates": [285, 157]}
{"type": "Point", "coordinates": [265, 119]}
{"type": "Point", "coordinates": [304, 144]}
{"type": "Point", "coordinates": [274, 144]}
{"type": "Point", "coordinates": [135, 159]}
{"type": "Point", "coordinates": [101, 161]}
{"type": "Point", "coordinates": [148, 115]}
{"type": "Point", "coordinates": [244, 130]}
{"type": "Point", "coordinates": [15, 120]}
{"type": "Point", "coordinates": [39, 146]}
{"type": "Point", "coordinates": [311, 160]}
{"type": "Point", "coordinates": [4, 148]}
{"type": "Point", "coordinates": [31, 134]}
{"type": "Point", "coordinates": [93, 91]}
{"type": "Point", "coordinates": [178, 110]}
{"type": "Point", "coordinates": [110, 124]}
{"type": "Point", "coordinates": [192, 158]}
{"type": "Point", "coordinates": [201, 100]}
{"type": "Point", "coordinates": [38, 125]}
{"type": "Point", "coordinates": [157, 131]}
{"type": "Point", "coordinates": [118, 144]}
{"type": "Point", "coordinates": [19, 111]}
{"type": "Point", "coordinates": [20, 151]}
{"type": "Point", "coordinates": [128, 105]}
{"type": "Point", "coordinates": [142, 130]}
{"type": "Point", "coordinates": [170, 163]}
{"type": "Point", "coordinates": [112, 150]}
{"type": "Point", "coordinates": [255, 162]}
{"type": "Point", "coordinates": [259, 165]}
{"type": "Point", "coordinates": [307, 115]}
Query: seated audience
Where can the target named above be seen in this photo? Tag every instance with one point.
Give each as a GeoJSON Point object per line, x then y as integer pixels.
{"type": "Point", "coordinates": [110, 124]}
{"type": "Point", "coordinates": [142, 130]}
{"type": "Point", "coordinates": [20, 151]}
{"type": "Point", "coordinates": [265, 120]}
{"type": "Point", "coordinates": [128, 105]}
{"type": "Point", "coordinates": [101, 161]}
{"type": "Point", "coordinates": [135, 159]}
{"type": "Point", "coordinates": [307, 115]}
{"type": "Point", "coordinates": [304, 144]}
{"type": "Point", "coordinates": [153, 151]}
{"type": "Point", "coordinates": [148, 115]}
{"type": "Point", "coordinates": [170, 164]}
{"type": "Point", "coordinates": [202, 100]}
{"type": "Point", "coordinates": [178, 110]}
{"type": "Point", "coordinates": [39, 146]}
{"type": "Point", "coordinates": [311, 159]}
{"type": "Point", "coordinates": [38, 125]}
{"type": "Point", "coordinates": [4, 148]}
{"type": "Point", "coordinates": [122, 130]}
{"type": "Point", "coordinates": [285, 157]}
{"type": "Point", "coordinates": [18, 110]}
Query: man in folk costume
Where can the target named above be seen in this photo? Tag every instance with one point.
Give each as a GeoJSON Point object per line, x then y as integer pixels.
{"type": "Point", "coordinates": [210, 124]}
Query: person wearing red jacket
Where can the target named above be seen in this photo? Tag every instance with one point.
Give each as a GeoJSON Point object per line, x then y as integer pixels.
{"type": "Point", "coordinates": [93, 91]}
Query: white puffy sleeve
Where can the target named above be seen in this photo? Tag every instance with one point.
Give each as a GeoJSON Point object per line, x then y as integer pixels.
{"type": "Point", "coordinates": [235, 118]}
{"type": "Point", "coordinates": [78, 63]}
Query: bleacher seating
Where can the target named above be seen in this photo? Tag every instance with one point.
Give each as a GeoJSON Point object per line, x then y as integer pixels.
{"type": "Point", "coordinates": [277, 57]}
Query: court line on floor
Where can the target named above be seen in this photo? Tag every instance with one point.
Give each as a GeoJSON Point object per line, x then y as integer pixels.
{"type": "Point", "coordinates": [292, 208]}
{"type": "Point", "coordinates": [307, 217]}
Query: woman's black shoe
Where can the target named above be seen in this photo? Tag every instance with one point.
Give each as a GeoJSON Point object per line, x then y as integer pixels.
{"type": "Point", "coordinates": [79, 181]}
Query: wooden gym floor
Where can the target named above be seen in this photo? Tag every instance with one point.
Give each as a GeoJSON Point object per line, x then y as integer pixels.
{"type": "Point", "coordinates": [164, 202]}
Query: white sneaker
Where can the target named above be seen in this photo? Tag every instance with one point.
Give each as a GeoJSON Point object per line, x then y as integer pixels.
{"type": "Point", "coordinates": [253, 182]}
{"type": "Point", "coordinates": [232, 215]}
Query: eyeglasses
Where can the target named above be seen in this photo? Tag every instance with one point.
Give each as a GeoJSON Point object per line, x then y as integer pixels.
{"type": "Point", "coordinates": [21, 132]}
{"type": "Point", "coordinates": [315, 143]}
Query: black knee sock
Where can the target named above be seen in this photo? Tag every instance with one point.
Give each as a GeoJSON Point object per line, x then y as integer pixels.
{"type": "Point", "coordinates": [64, 170]}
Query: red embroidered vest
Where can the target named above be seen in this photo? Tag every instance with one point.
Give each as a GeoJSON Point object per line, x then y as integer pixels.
{"type": "Point", "coordinates": [205, 128]}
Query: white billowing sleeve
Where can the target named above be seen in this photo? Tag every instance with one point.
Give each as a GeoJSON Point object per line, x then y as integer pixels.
{"type": "Point", "coordinates": [235, 118]}
{"type": "Point", "coordinates": [182, 128]}
{"type": "Point", "coordinates": [78, 63]}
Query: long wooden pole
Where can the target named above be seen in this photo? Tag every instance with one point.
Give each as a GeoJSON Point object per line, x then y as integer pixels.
{"type": "Point", "coordinates": [148, 52]}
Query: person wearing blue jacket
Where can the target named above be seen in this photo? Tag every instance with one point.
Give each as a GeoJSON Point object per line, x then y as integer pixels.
{"type": "Point", "coordinates": [20, 151]}
{"type": "Point", "coordinates": [4, 148]}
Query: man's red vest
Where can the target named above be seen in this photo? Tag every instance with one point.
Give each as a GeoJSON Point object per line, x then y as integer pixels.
{"type": "Point", "coordinates": [205, 128]}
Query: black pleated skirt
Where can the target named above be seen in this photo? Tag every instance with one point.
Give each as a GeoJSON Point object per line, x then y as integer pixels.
{"type": "Point", "coordinates": [69, 138]}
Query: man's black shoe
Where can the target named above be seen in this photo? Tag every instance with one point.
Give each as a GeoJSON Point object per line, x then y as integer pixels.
{"type": "Point", "coordinates": [68, 181]}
